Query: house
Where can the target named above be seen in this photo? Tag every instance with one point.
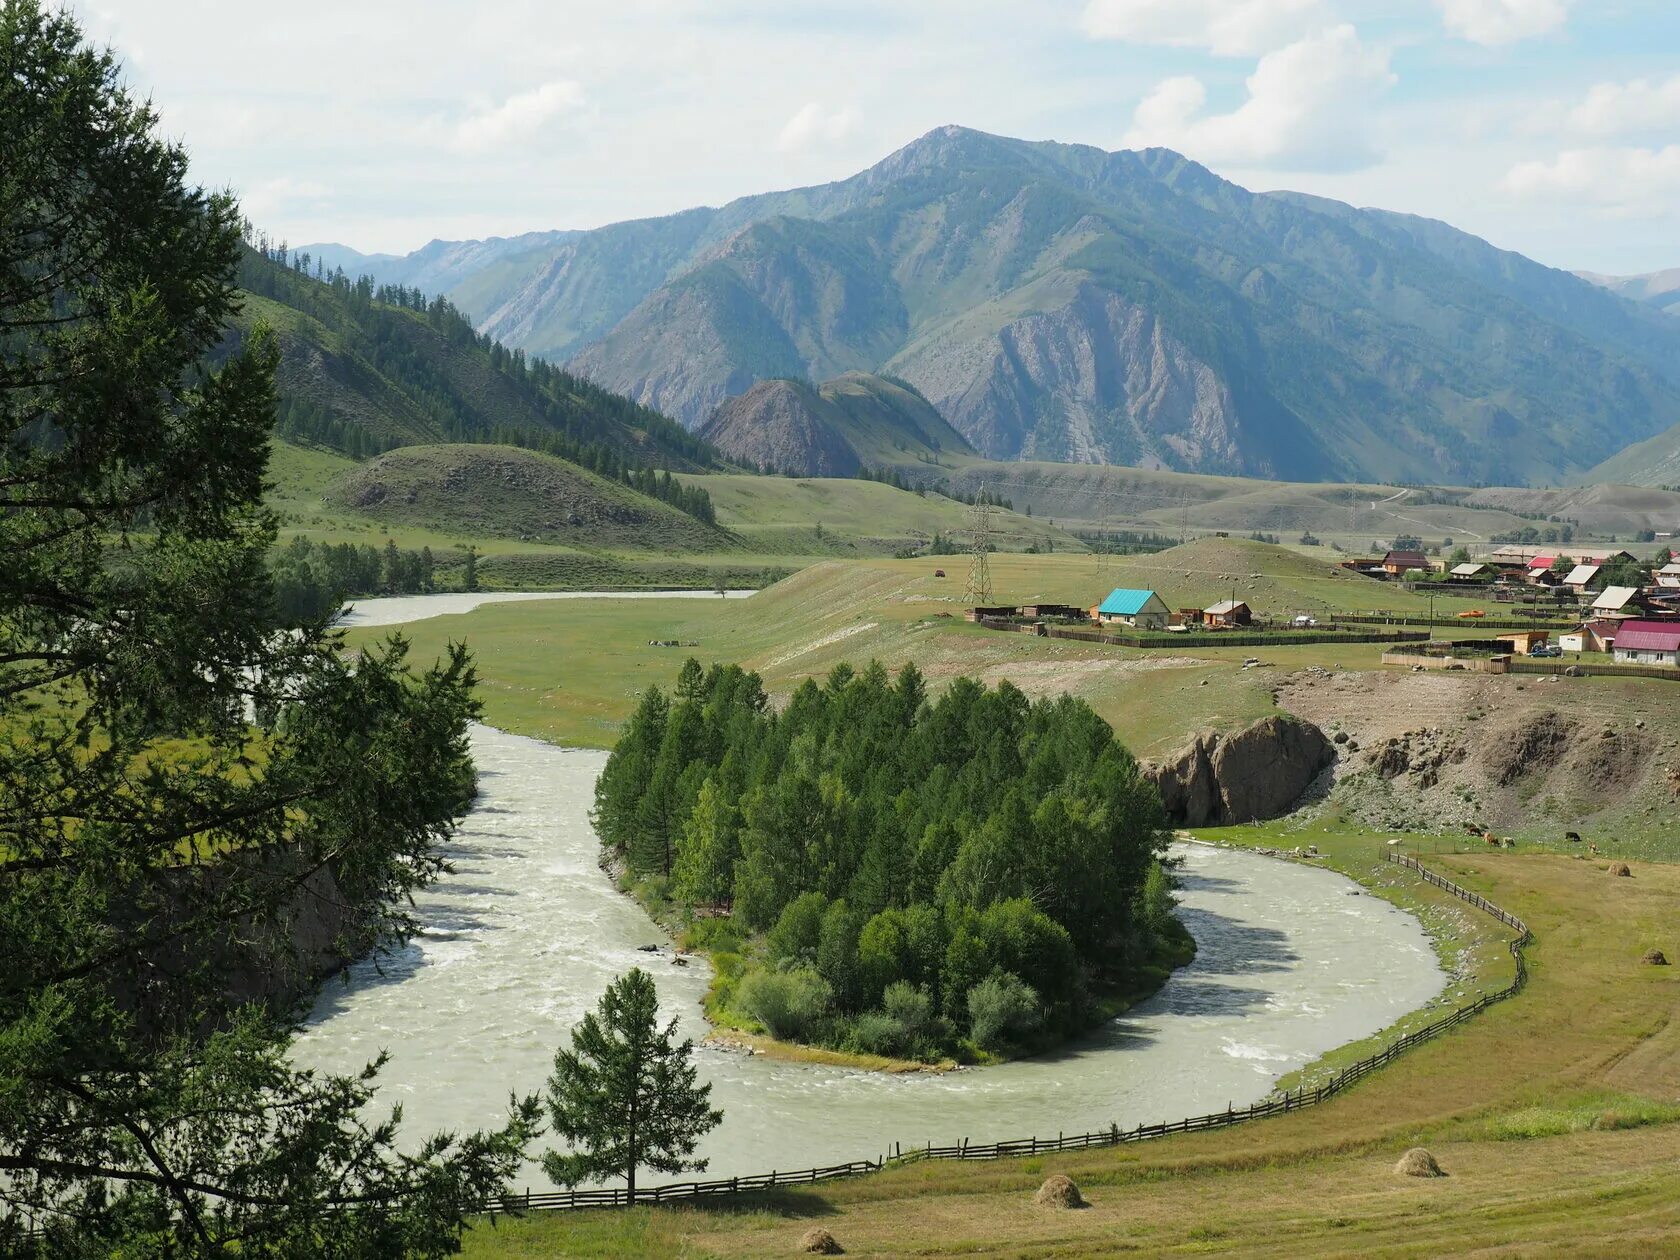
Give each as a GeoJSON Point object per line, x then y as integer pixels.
{"type": "Point", "coordinates": [1619, 601]}
{"type": "Point", "coordinates": [1649, 643]}
{"type": "Point", "coordinates": [1668, 577]}
{"type": "Point", "coordinates": [1582, 576]}
{"type": "Point", "coordinates": [1396, 563]}
{"type": "Point", "coordinates": [1143, 610]}
{"type": "Point", "coordinates": [1469, 572]}
{"type": "Point", "coordinates": [1540, 571]}
{"type": "Point", "coordinates": [1594, 636]}
{"type": "Point", "coordinates": [1228, 613]}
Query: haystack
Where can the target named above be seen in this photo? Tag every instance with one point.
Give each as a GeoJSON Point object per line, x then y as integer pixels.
{"type": "Point", "coordinates": [820, 1242]}
{"type": "Point", "coordinates": [1655, 958]}
{"type": "Point", "coordinates": [1059, 1192]}
{"type": "Point", "coordinates": [1620, 868]}
{"type": "Point", "coordinates": [1418, 1162]}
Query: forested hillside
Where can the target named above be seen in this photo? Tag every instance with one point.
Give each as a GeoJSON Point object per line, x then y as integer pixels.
{"type": "Point", "coordinates": [970, 874]}
{"type": "Point", "coordinates": [368, 367]}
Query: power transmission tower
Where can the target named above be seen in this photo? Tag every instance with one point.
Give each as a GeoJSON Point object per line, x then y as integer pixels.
{"type": "Point", "coordinates": [979, 589]}
{"type": "Point", "coordinates": [1102, 537]}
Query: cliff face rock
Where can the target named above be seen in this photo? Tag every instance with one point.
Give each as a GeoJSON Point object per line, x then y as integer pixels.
{"type": "Point", "coordinates": [1100, 380]}
{"type": "Point", "coordinates": [1255, 773]}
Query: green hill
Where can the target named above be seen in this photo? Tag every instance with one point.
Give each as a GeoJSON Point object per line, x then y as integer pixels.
{"type": "Point", "coordinates": [503, 492]}
{"type": "Point", "coordinates": [856, 421]}
{"type": "Point", "coordinates": [365, 369]}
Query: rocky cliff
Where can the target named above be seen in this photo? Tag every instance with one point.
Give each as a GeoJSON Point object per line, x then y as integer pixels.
{"type": "Point", "coordinates": [1255, 773]}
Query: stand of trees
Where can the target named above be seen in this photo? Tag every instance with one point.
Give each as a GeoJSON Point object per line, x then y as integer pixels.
{"type": "Point", "coordinates": [904, 876]}
{"type": "Point", "coordinates": [312, 580]}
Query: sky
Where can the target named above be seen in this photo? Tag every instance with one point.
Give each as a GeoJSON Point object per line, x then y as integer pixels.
{"type": "Point", "coordinates": [1551, 127]}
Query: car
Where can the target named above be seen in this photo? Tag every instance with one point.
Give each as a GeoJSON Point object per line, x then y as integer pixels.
{"type": "Point", "coordinates": [1545, 649]}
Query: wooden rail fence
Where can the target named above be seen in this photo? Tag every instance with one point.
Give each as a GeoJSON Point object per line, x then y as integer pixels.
{"type": "Point", "coordinates": [1295, 1100]}
{"type": "Point", "coordinates": [1607, 669]}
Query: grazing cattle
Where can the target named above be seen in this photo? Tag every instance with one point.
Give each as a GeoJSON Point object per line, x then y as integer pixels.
{"type": "Point", "coordinates": [1592, 847]}
{"type": "Point", "coordinates": [1572, 835]}
{"type": "Point", "coordinates": [1492, 840]}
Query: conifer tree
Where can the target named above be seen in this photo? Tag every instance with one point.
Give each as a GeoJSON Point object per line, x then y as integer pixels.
{"type": "Point", "coordinates": [625, 1095]}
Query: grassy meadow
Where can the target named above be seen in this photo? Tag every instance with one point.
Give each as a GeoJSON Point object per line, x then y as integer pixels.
{"type": "Point", "coordinates": [571, 672]}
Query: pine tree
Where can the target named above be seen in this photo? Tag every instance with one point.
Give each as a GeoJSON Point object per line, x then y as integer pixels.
{"type": "Point", "coordinates": [176, 776]}
{"type": "Point", "coordinates": [626, 1095]}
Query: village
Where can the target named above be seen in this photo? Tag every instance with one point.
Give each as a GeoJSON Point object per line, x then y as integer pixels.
{"type": "Point", "coordinates": [1599, 607]}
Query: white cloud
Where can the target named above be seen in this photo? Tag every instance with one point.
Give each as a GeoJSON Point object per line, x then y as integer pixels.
{"type": "Point", "coordinates": [815, 125]}
{"type": "Point", "coordinates": [519, 117]}
{"type": "Point", "coordinates": [1308, 109]}
{"type": "Point", "coordinates": [1502, 21]}
{"type": "Point", "coordinates": [1625, 109]}
{"type": "Point", "coordinates": [1627, 181]}
{"type": "Point", "coordinates": [282, 195]}
{"type": "Point", "coordinates": [1228, 28]}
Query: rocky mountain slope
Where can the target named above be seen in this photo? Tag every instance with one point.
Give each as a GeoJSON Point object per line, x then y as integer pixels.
{"type": "Point", "coordinates": [1059, 302]}
{"type": "Point", "coordinates": [853, 422]}
{"type": "Point", "coordinates": [1660, 289]}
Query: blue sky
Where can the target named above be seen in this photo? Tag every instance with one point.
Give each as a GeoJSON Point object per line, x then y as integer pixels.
{"type": "Point", "coordinates": [1548, 126]}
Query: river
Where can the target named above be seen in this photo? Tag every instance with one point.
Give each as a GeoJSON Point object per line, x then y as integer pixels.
{"type": "Point", "coordinates": [397, 609]}
{"type": "Point", "coordinates": [526, 933]}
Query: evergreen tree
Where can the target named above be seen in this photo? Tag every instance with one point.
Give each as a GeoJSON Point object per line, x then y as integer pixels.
{"type": "Point", "coordinates": [625, 1095]}
{"type": "Point", "coordinates": [177, 778]}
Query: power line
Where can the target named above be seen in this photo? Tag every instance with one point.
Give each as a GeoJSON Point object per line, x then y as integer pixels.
{"type": "Point", "coordinates": [979, 589]}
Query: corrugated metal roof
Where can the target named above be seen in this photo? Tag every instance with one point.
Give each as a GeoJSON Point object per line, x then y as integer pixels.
{"type": "Point", "coordinates": [1581, 574]}
{"type": "Point", "coordinates": [1225, 607]}
{"type": "Point", "coordinates": [1542, 562]}
{"type": "Point", "coordinates": [1124, 603]}
{"type": "Point", "coordinates": [1467, 570]}
{"type": "Point", "coordinates": [1613, 597]}
{"type": "Point", "coordinates": [1648, 636]}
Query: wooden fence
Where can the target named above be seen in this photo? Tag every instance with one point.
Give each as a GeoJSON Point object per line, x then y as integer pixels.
{"type": "Point", "coordinates": [1616, 669]}
{"type": "Point", "coordinates": [1237, 638]}
{"type": "Point", "coordinates": [1114, 1135]}
{"type": "Point", "coordinates": [1461, 623]}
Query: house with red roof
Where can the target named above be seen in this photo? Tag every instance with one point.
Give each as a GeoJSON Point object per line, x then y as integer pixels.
{"type": "Point", "coordinates": [1649, 643]}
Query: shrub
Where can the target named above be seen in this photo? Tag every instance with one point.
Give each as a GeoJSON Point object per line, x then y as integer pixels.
{"type": "Point", "coordinates": [788, 1003]}
{"type": "Point", "coordinates": [1001, 1008]}
{"type": "Point", "coordinates": [798, 929]}
{"type": "Point", "coordinates": [876, 1032]}
{"type": "Point", "coordinates": [911, 1008]}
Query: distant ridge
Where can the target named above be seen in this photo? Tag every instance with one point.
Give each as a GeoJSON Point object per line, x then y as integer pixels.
{"type": "Point", "coordinates": [857, 421]}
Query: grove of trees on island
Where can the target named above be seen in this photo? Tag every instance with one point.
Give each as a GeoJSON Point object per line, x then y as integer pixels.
{"type": "Point", "coordinates": [883, 873]}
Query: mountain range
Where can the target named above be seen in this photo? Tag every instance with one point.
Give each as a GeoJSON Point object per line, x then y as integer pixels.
{"type": "Point", "coordinates": [1059, 302]}
{"type": "Point", "coordinates": [1660, 289]}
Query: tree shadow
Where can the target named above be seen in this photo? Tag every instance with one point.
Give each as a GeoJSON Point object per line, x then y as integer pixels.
{"type": "Point", "coordinates": [1229, 947]}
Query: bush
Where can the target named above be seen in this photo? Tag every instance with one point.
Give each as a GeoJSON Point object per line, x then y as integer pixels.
{"type": "Point", "coordinates": [788, 1003]}
{"type": "Point", "coordinates": [798, 929]}
{"type": "Point", "coordinates": [911, 1008]}
{"type": "Point", "coordinates": [1002, 1008]}
{"type": "Point", "coordinates": [876, 1032]}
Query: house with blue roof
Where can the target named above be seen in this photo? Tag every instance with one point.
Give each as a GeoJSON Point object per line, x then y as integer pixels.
{"type": "Point", "coordinates": [1142, 610]}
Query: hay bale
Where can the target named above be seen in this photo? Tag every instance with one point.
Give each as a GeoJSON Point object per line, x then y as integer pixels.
{"type": "Point", "coordinates": [819, 1242]}
{"type": "Point", "coordinates": [1059, 1192]}
{"type": "Point", "coordinates": [1654, 958]}
{"type": "Point", "coordinates": [1418, 1162]}
{"type": "Point", "coordinates": [1620, 868]}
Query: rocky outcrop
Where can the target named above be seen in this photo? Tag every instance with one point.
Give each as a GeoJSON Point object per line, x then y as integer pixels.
{"type": "Point", "coordinates": [1255, 773]}
{"type": "Point", "coordinates": [1100, 380]}
{"type": "Point", "coordinates": [785, 425]}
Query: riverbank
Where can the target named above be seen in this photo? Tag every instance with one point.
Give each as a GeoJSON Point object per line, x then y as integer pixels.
{"type": "Point", "coordinates": [714, 941]}
{"type": "Point", "coordinates": [1555, 1113]}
